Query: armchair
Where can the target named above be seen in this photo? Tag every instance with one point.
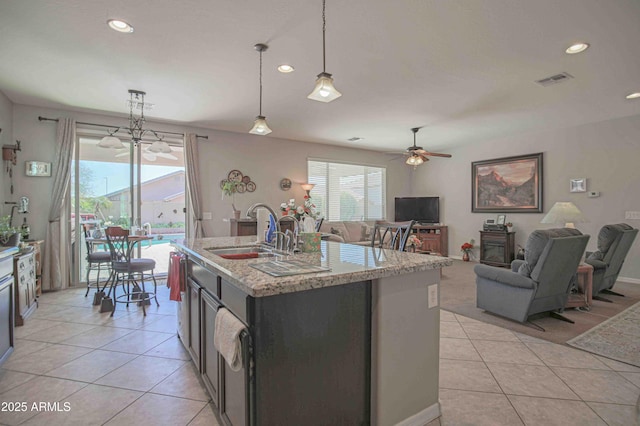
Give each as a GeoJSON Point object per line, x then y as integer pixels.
{"type": "Point", "coordinates": [538, 284]}
{"type": "Point", "coordinates": [614, 242]}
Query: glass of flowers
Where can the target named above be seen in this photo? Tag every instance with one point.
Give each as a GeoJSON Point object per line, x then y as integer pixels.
{"type": "Point", "coordinates": [466, 250]}
{"type": "Point", "coordinates": [299, 212]}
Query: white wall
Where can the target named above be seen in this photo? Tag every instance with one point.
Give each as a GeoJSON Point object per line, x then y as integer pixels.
{"type": "Point", "coordinates": [266, 160]}
{"type": "Point", "coordinates": [606, 153]}
{"type": "Point", "coordinates": [6, 138]}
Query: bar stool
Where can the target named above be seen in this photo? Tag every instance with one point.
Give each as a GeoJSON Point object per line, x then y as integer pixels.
{"type": "Point", "coordinates": [96, 260]}
{"type": "Point", "coordinates": [125, 270]}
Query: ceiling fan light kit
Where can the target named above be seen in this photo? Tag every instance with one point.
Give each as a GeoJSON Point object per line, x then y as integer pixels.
{"type": "Point", "coordinates": [324, 91]}
{"type": "Point", "coordinates": [417, 155]}
{"type": "Point", "coordinates": [111, 142]}
{"type": "Point", "coordinates": [260, 126]}
{"type": "Point", "coordinates": [159, 147]}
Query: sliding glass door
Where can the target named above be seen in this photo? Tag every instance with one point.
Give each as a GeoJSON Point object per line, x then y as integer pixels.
{"type": "Point", "coordinates": [129, 187]}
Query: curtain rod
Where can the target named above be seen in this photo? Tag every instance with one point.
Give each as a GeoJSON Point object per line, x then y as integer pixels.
{"type": "Point", "coordinates": [40, 118]}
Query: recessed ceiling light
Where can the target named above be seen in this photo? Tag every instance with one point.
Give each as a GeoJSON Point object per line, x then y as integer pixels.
{"type": "Point", "coordinates": [634, 95]}
{"type": "Point", "coordinates": [577, 48]}
{"type": "Point", "coordinates": [284, 68]}
{"type": "Point", "coordinates": [120, 26]}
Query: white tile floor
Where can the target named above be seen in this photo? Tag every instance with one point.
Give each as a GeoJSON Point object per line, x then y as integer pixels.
{"type": "Point", "coordinates": [131, 369]}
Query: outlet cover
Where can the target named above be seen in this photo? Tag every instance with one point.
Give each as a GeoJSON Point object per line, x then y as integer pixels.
{"type": "Point", "coordinates": [433, 295]}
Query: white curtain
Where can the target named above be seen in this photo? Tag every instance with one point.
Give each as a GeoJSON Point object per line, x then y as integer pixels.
{"type": "Point", "coordinates": [193, 183]}
{"type": "Point", "coordinates": [56, 253]}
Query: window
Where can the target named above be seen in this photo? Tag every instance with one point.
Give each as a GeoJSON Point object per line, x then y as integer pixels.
{"type": "Point", "coordinates": [348, 191]}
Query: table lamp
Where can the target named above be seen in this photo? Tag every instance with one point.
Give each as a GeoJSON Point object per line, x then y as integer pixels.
{"type": "Point", "coordinates": [564, 213]}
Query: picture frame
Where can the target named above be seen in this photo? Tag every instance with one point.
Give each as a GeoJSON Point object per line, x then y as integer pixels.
{"type": "Point", "coordinates": [502, 219]}
{"type": "Point", "coordinates": [37, 168]}
{"type": "Point", "coordinates": [508, 184]}
{"type": "Point", "coordinates": [578, 185]}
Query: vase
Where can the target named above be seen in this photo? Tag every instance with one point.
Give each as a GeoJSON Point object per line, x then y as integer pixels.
{"type": "Point", "coordinates": [236, 214]}
{"type": "Point", "coordinates": [465, 256]}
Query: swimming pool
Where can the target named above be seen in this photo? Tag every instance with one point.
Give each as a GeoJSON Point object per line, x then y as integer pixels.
{"type": "Point", "coordinates": [166, 238]}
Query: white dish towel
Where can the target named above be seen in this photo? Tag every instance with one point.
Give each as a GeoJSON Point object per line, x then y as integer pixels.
{"type": "Point", "coordinates": [226, 338]}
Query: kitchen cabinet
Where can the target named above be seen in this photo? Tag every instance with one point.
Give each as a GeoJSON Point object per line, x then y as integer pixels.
{"type": "Point", "coordinates": [24, 271]}
{"type": "Point", "coordinates": [243, 227]}
{"type": "Point", "coordinates": [7, 300]}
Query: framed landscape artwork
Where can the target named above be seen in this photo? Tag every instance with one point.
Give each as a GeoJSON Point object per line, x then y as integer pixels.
{"type": "Point", "coordinates": [510, 184]}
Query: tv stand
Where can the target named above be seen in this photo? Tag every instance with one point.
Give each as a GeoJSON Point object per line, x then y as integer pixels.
{"type": "Point", "coordinates": [435, 238]}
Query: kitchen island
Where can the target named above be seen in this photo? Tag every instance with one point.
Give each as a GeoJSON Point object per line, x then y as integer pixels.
{"type": "Point", "coordinates": [357, 344]}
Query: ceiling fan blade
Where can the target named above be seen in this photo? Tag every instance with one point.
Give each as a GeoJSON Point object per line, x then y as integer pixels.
{"type": "Point", "coordinates": [423, 157]}
{"type": "Point", "coordinates": [167, 156]}
{"type": "Point", "coordinates": [149, 156]}
{"type": "Point", "coordinates": [122, 154]}
{"type": "Point", "coordinates": [436, 154]}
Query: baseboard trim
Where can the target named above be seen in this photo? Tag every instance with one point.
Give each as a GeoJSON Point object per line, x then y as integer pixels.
{"type": "Point", "coordinates": [629, 280]}
{"type": "Point", "coordinates": [460, 258]}
{"type": "Point", "coordinates": [423, 417]}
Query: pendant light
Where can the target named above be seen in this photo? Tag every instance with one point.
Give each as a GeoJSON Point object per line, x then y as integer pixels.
{"type": "Point", "coordinates": [324, 90]}
{"type": "Point", "coordinates": [260, 126]}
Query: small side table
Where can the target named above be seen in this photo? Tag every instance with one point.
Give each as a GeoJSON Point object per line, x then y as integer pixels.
{"type": "Point", "coordinates": [583, 298]}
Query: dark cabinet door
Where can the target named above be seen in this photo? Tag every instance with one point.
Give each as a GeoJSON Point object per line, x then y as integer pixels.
{"type": "Point", "coordinates": [193, 302]}
{"type": "Point", "coordinates": [234, 405]}
{"type": "Point", "coordinates": [209, 360]}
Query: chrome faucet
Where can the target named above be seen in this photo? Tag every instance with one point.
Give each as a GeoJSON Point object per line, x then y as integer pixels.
{"type": "Point", "coordinates": [251, 213]}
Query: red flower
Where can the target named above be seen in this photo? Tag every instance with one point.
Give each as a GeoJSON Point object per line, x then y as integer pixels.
{"type": "Point", "coordinates": [466, 246]}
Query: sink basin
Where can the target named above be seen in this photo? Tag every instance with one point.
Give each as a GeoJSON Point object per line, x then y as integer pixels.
{"type": "Point", "coordinates": [242, 252]}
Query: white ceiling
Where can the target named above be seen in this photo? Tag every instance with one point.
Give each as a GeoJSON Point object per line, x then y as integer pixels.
{"type": "Point", "coordinates": [464, 69]}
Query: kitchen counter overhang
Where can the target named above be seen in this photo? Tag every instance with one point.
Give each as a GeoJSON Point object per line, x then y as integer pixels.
{"type": "Point", "coordinates": [347, 262]}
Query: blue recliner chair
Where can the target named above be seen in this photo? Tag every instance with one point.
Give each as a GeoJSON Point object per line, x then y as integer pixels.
{"type": "Point", "coordinates": [539, 283]}
{"type": "Point", "coordinates": [614, 242]}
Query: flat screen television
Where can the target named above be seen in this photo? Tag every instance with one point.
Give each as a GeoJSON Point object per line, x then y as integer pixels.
{"type": "Point", "coordinates": [425, 210]}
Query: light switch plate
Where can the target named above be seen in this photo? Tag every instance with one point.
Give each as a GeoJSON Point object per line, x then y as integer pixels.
{"type": "Point", "coordinates": [632, 215]}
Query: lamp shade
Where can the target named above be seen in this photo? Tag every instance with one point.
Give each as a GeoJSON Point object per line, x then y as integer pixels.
{"type": "Point", "coordinates": [565, 213]}
{"type": "Point", "coordinates": [307, 186]}
{"type": "Point", "coordinates": [260, 126]}
{"type": "Point", "coordinates": [324, 90]}
{"type": "Point", "coordinates": [110, 142]}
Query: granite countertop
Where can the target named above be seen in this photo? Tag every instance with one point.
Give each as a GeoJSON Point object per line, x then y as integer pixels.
{"type": "Point", "coordinates": [348, 262]}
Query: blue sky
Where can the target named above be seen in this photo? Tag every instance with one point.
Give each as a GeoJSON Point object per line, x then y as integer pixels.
{"type": "Point", "coordinates": [110, 177]}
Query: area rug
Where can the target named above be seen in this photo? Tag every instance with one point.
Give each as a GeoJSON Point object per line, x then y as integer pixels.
{"type": "Point", "coordinates": [458, 295]}
{"type": "Point", "coordinates": [617, 338]}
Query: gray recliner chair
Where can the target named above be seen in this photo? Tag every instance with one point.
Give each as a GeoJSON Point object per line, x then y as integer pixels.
{"type": "Point", "coordinates": [614, 242]}
{"type": "Point", "coordinates": [539, 283]}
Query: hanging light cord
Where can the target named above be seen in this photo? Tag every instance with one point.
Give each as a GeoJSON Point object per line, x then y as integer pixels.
{"type": "Point", "coordinates": [324, 29]}
{"type": "Point", "coordinates": [260, 82]}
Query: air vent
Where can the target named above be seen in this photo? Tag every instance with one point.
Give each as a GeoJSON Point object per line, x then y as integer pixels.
{"type": "Point", "coordinates": [554, 79]}
{"type": "Point", "coordinates": [355, 139]}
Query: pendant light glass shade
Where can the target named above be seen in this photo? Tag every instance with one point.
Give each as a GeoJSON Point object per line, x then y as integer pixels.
{"type": "Point", "coordinates": [260, 126]}
{"type": "Point", "coordinates": [414, 160]}
{"type": "Point", "coordinates": [324, 90]}
{"type": "Point", "coordinates": [110, 142]}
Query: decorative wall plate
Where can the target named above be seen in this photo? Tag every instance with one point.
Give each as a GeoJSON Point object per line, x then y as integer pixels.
{"type": "Point", "coordinates": [251, 187]}
{"type": "Point", "coordinates": [241, 188]}
{"type": "Point", "coordinates": [235, 175]}
{"type": "Point", "coordinates": [285, 184]}
{"type": "Point", "coordinates": [246, 179]}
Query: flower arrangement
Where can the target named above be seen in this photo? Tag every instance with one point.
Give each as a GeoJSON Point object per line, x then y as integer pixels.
{"type": "Point", "coordinates": [306, 209]}
{"type": "Point", "coordinates": [466, 247]}
{"type": "Point", "coordinates": [414, 240]}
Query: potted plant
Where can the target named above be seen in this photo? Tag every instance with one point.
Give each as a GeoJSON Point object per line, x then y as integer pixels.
{"type": "Point", "coordinates": [9, 236]}
{"type": "Point", "coordinates": [229, 188]}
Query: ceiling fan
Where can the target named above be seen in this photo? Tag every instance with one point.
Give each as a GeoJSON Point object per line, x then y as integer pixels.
{"type": "Point", "coordinates": [417, 155]}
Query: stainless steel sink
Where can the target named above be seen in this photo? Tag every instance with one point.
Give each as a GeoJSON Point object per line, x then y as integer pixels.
{"type": "Point", "coordinates": [261, 251]}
